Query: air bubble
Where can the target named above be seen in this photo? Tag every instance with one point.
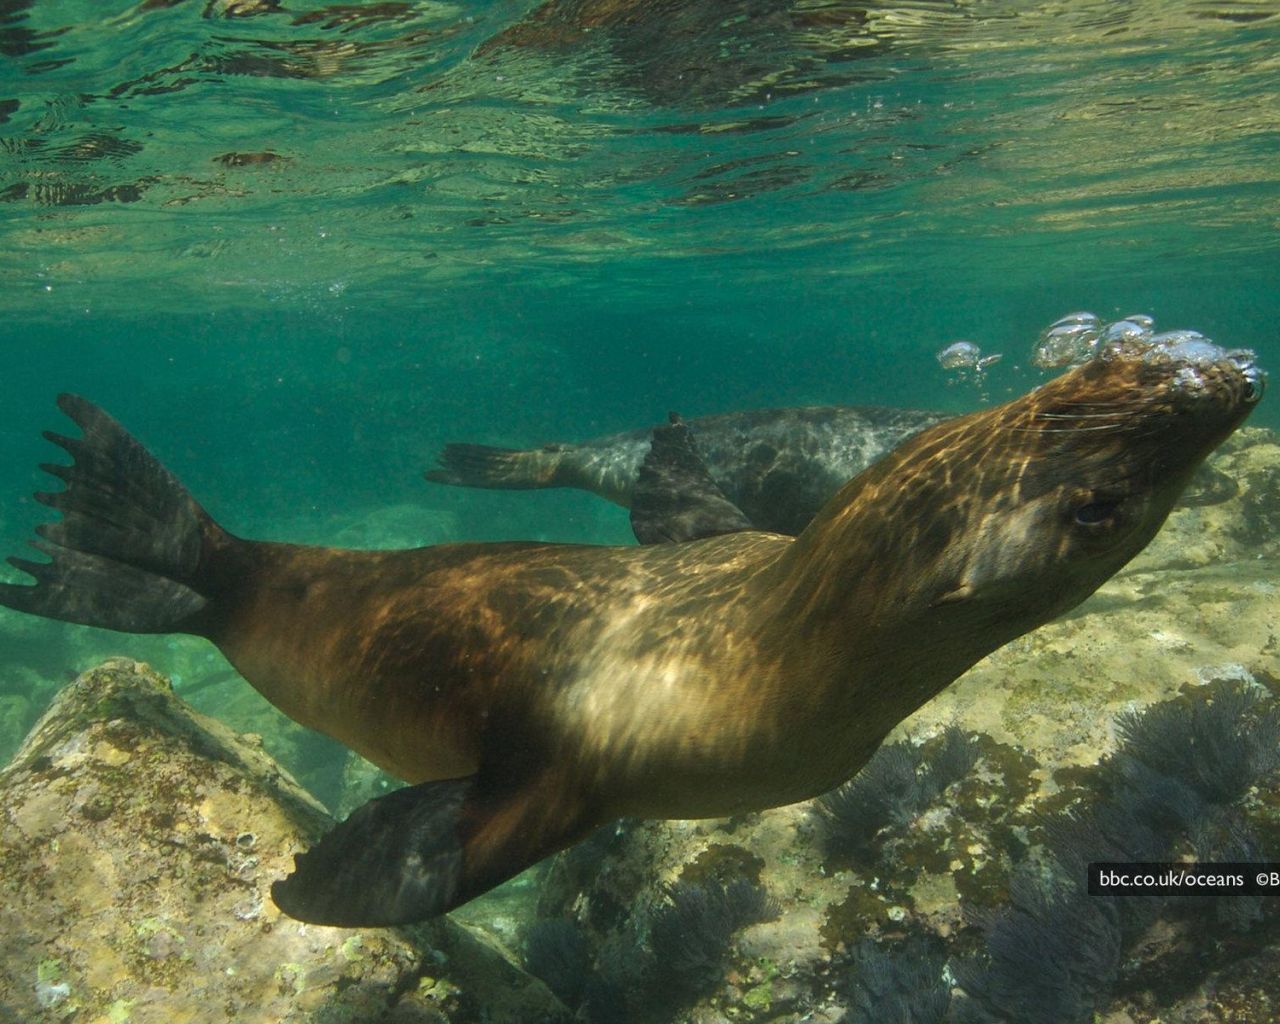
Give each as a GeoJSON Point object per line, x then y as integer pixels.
{"type": "Point", "coordinates": [959, 355]}
{"type": "Point", "coordinates": [964, 362]}
{"type": "Point", "coordinates": [1069, 341]}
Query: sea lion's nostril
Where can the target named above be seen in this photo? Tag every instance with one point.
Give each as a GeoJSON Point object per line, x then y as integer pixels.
{"type": "Point", "coordinates": [1255, 385]}
{"type": "Point", "coordinates": [1255, 378]}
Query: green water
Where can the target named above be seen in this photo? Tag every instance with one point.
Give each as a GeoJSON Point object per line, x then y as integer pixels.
{"type": "Point", "coordinates": [486, 223]}
{"type": "Point", "coordinates": [297, 247]}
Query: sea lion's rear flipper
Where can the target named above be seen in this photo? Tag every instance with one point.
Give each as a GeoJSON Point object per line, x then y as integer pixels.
{"type": "Point", "coordinates": [511, 469]}
{"type": "Point", "coordinates": [126, 554]}
{"type": "Point", "coordinates": [675, 498]}
{"type": "Point", "coordinates": [425, 849]}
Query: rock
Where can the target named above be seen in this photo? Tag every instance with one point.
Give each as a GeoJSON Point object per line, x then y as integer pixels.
{"type": "Point", "coordinates": [15, 719]}
{"type": "Point", "coordinates": [1140, 639]}
{"type": "Point", "coordinates": [1245, 526]}
{"type": "Point", "coordinates": [138, 842]}
{"type": "Point", "coordinates": [1241, 993]}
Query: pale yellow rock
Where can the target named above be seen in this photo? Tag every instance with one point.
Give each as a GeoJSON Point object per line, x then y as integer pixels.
{"type": "Point", "coordinates": [138, 843]}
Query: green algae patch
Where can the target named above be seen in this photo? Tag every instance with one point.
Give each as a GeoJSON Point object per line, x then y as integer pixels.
{"type": "Point", "coordinates": [291, 978]}
{"type": "Point", "coordinates": [353, 950]}
{"type": "Point", "coordinates": [53, 993]}
{"type": "Point", "coordinates": [49, 972]}
{"type": "Point", "coordinates": [759, 997]}
{"type": "Point", "coordinates": [724, 863]}
{"type": "Point", "coordinates": [118, 1012]}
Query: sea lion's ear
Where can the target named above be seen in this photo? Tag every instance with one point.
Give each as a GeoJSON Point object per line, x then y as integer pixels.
{"type": "Point", "coordinates": [1209, 486]}
{"type": "Point", "coordinates": [675, 498]}
{"type": "Point", "coordinates": [395, 860]}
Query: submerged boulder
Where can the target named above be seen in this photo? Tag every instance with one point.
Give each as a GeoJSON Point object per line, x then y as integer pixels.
{"type": "Point", "coordinates": [1238, 524]}
{"type": "Point", "coordinates": [138, 842]}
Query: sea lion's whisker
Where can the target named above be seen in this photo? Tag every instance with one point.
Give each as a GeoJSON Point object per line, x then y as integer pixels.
{"type": "Point", "coordinates": [1037, 429]}
{"type": "Point", "coordinates": [1123, 411]}
{"type": "Point", "coordinates": [1082, 415]}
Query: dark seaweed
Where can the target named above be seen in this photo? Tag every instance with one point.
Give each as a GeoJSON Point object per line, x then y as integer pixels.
{"type": "Point", "coordinates": [893, 788]}
{"type": "Point", "coordinates": [692, 932]}
{"type": "Point", "coordinates": [1053, 954]}
{"type": "Point", "coordinates": [901, 986]}
{"type": "Point", "coordinates": [952, 761]}
{"type": "Point", "coordinates": [1219, 747]}
{"type": "Point", "coordinates": [1050, 955]}
{"type": "Point", "coordinates": [557, 952]}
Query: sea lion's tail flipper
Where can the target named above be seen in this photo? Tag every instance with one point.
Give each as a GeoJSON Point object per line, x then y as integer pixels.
{"type": "Point", "coordinates": [127, 551]}
{"type": "Point", "coordinates": [423, 850]}
{"type": "Point", "coordinates": [511, 469]}
{"type": "Point", "coordinates": [675, 498]}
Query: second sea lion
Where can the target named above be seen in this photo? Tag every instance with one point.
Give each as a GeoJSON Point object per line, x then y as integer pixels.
{"type": "Point", "coordinates": [531, 692]}
{"type": "Point", "coordinates": [779, 466]}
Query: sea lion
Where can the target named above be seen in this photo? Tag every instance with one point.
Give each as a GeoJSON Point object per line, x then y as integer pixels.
{"type": "Point", "coordinates": [530, 692]}
{"type": "Point", "coordinates": [778, 466]}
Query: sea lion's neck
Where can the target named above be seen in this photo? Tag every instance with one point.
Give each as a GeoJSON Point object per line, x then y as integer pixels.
{"type": "Point", "coordinates": [863, 593]}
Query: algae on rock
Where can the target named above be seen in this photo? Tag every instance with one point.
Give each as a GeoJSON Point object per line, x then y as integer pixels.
{"type": "Point", "coordinates": [138, 841]}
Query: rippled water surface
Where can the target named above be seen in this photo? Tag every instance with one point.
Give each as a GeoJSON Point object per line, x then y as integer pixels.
{"type": "Point", "coordinates": [243, 154]}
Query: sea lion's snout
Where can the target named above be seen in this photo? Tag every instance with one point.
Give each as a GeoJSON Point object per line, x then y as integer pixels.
{"type": "Point", "coordinates": [1200, 364]}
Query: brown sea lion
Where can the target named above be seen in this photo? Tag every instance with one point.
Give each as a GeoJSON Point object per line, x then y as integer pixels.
{"type": "Point", "coordinates": [530, 692]}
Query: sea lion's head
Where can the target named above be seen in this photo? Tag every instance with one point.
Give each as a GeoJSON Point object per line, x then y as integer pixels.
{"type": "Point", "coordinates": [986, 526]}
{"type": "Point", "coordinates": [1074, 479]}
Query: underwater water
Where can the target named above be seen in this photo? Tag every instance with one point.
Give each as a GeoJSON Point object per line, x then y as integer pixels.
{"type": "Point", "coordinates": [298, 247]}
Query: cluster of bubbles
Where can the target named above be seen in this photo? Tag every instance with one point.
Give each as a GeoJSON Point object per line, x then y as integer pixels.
{"type": "Point", "coordinates": [1079, 337]}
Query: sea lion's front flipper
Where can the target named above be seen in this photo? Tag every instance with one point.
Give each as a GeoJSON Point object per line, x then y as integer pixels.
{"type": "Point", "coordinates": [395, 860]}
{"type": "Point", "coordinates": [425, 849]}
{"type": "Point", "coordinates": [675, 498]}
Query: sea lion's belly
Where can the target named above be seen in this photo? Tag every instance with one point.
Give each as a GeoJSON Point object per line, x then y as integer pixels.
{"type": "Point", "coordinates": [650, 686]}
{"type": "Point", "coordinates": [659, 741]}
{"type": "Point", "coordinates": [699, 726]}
{"type": "Point", "coordinates": [400, 720]}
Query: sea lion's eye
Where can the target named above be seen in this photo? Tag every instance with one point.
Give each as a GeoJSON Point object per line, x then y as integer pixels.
{"type": "Point", "coordinates": [1096, 513]}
